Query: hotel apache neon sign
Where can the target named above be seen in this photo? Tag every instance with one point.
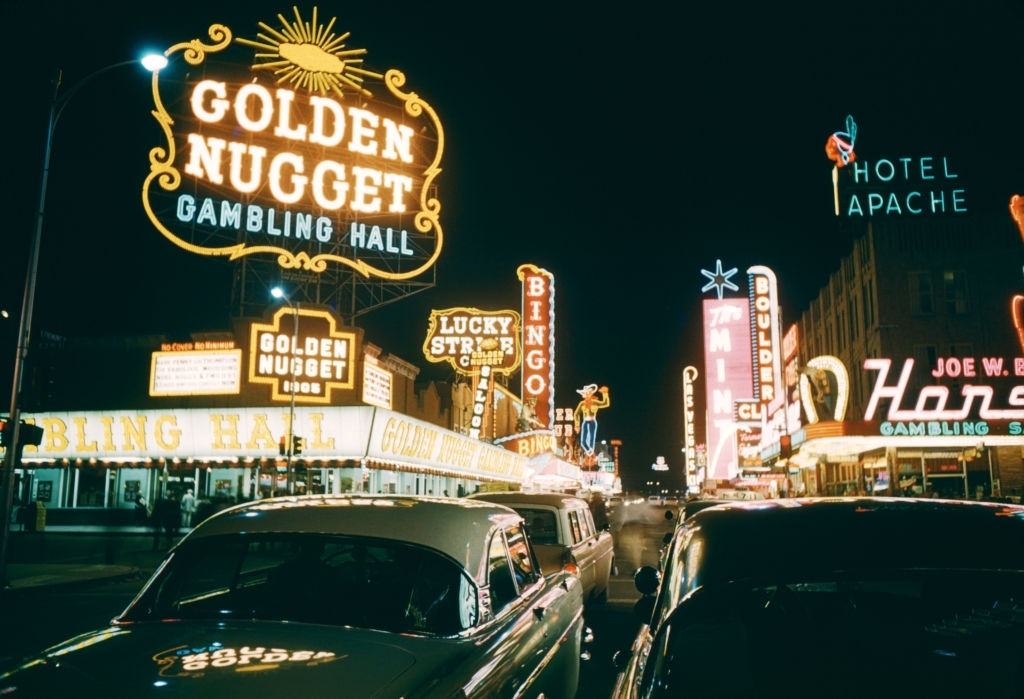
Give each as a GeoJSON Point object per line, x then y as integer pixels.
{"type": "Point", "coordinates": [902, 186]}
{"type": "Point", "coordinates": [933, 414]}
{"type": "Point", "coordinates": [277, 146]}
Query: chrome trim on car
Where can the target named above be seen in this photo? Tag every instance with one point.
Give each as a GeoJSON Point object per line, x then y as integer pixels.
{"type": "Point", "coordinates": [555, 647]}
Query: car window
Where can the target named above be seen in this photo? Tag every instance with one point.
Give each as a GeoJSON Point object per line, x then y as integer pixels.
{"type": "Point", "coordinates": [574, 526]}
{"type": "Point", "coordinates": [523, 567]}
{"type": "Point", "coordinates": [541, 525]}
{"type": "Point", "coordinates": [285, 577]}
{"type": "Point", "coordinates": [588, 516]}
{"type": "Point", "coordinates": [499, 575]}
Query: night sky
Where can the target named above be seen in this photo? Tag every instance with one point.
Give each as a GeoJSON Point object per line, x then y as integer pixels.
{"type": "Point", "coordinates": [621, 150]}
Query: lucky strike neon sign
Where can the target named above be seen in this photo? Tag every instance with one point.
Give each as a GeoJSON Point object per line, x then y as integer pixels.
{"type": "Point", "coordinates": [469, 338]}
{"type": "Point", "coordinates": [315, 171]}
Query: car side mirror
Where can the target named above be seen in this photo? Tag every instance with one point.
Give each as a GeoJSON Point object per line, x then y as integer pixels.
{"type": "Point", "coordinates": [669, 515]}
{"type": "Point", "coordinates": [647, 579]}
{"type": "Point", "coordinates": [643, 610]}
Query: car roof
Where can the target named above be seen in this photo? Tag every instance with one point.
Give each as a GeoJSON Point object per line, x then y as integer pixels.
{"type": "Point", "coordinates": [457, 527]}
{"type": "Point", "coordinates": [779, 537]}
{"type": "Point", "coordinates": [510, 499]}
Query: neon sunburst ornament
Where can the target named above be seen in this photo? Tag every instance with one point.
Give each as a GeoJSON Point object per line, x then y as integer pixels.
{"type": "Point", "coordinates": [308, 55]}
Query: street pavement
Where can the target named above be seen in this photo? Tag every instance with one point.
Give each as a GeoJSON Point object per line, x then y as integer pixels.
{"type": "Point", "coordinates": [46, 614]}
{"type": "Point", "coordinates": [638, 530]}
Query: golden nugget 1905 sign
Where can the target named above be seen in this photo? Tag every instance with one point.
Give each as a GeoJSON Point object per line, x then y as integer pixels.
{"type": "Point", "coordinates": [281, 142]}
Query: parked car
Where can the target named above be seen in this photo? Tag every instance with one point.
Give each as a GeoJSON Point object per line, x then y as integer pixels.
{"type": "Point", "coordinates": [891, 596]}
{"type": "Point", "coordinates": [562, 531]}
{"type": "Point", "coordinates": [334, 596]}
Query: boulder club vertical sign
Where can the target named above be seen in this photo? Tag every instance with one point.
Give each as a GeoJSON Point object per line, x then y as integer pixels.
{"type": "Point", "coordinates": [538, 375]}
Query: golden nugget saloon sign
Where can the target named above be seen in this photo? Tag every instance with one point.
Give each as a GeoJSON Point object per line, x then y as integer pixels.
{"type": "Point", "coordinates": [280, 142]}
{"type": "Point", "coordinates": [469, 338]}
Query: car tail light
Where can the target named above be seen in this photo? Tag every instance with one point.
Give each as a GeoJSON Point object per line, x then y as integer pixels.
{"type": "Point", "coordinates": [571, 567]}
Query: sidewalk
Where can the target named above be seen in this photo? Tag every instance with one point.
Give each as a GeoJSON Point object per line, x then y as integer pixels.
{"type": "Point", "coordinates": [39, 576]}
{"type": "Point", "coordinates": [129, 530]}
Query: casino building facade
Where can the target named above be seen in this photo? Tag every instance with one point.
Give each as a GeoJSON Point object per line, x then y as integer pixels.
{"type": "Point", "coordinates": [939, 294]}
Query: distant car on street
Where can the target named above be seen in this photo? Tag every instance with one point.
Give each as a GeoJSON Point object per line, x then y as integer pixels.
{"type": "Point", "coordinates": [655, 500]}
{"type": "Point", "coordinates": [334, 596]}
{"type": "Point", "coordinates": [907, 597]}
{"type": "Point", "coordinates": [563, 534]}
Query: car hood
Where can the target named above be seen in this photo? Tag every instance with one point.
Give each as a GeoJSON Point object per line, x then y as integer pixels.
{"type": "Point", "coordinates": [218, 659]}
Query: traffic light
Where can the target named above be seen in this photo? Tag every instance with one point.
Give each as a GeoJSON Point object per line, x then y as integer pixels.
{"type": "Point", "coordinates": [296, 445]}
{"type": "Point", "coordinates": [31, 435]}
{"type": "Point", "coordinates": [281, 446]}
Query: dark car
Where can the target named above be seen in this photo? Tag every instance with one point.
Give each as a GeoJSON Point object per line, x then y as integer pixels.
{"type": "Point", "coordinates": [835, 597]}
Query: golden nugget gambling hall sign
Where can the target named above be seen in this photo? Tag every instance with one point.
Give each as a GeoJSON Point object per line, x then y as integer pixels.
{"type": "Point", "coordinates": [282, 143]}
{"type": "Point", "coordinates": [469, 338]}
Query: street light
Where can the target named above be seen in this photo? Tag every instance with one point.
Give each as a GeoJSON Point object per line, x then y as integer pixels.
{"type": "Point", "coordinates": [57, 104]}
{"type": "Point", "coordinates": [278, 293]}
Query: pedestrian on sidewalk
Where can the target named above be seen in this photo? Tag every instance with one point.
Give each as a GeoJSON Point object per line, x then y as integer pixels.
{"type": "Point", "coordinates": [142, 509]}
{"type": "Point", "coordinates": [188, 508]}
{"type": "Point", "coordinates": [165, 518]}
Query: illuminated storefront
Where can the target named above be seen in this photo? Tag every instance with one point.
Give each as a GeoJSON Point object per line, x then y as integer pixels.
{"type": "Point", "coordinates": [105, 459]}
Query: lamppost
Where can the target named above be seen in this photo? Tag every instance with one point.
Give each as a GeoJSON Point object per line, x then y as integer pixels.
{"type": "Point", "coordinates": [278, 293]}
{"type": "Point", "coordinates": [152, 63]}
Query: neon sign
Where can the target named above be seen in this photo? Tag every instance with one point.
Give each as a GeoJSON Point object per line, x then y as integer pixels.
{"type": "Point", "coordinates": [1017, 312]}
{"type": "Point", "coordinates": [765, 334]}
{"type": "Point", "coordinates": [912, 173]}
{"type": "Point", "coordinates": [481, 394]}
{"type": "Point", "coordinates": [727, 375]}
{"type": "Point", "coordinates": [585, 415]}
{"type": "Point", "coordinates": [468, 338]}
{"type": "Point", "coordinates": [538, 374]}
{"type": "Point", "coordinates": [932, 401]}
{"type": "Point", "coordinates": [318, 354]}
{"type": "Point", "coordinates": [825, 389]}
{"type": "Point", "coordinates": [719, 280]}
{"type": "Point", "coordinates": [904, 186]}
{"type": "Point", "coordinates": [1017, 212]}
{"type": "Point", "coordinates": [689, 423]}
{"type": "Point", "coordinates": [839, 149]}
{"type": "Point", "coordinates": [287, 152]}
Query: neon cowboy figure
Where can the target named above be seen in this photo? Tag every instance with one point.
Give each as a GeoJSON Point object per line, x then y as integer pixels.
{"type": "Point", "coordinates": [587, 412]}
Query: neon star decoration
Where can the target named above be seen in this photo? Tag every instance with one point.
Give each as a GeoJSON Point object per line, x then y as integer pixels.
{"type": "Point", "coordinates": [308, 55]}
{"type": "Point", "coordinates": [719, 280]}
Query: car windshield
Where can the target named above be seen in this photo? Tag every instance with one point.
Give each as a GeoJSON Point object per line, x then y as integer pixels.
{"type": "Point", "coordinates": [909, 633]}
{"type": "Point", "coordinates": [312, 578]}
{"type": "Point", "coordinates": [541, 525]}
